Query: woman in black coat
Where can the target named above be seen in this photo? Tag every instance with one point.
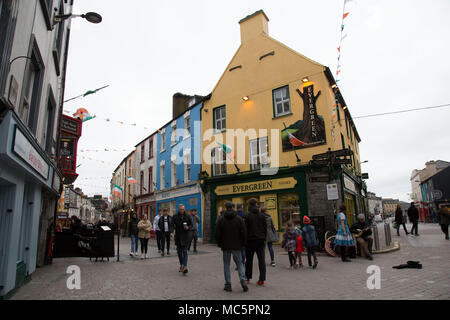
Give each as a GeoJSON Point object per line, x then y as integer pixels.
{"type": "Point", "coordinates": [399, 220]}
{"type": "Point", "coordinates": [183, 235]}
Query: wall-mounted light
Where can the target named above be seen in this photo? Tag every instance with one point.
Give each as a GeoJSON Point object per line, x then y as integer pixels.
{"type": "Point", "coordinates": [305, 79]}
{"type": "Point", "coordinates": [344, 107]}
{"type": "Point", "coordinates": [92, 17]}
{"type": "Point", "coordinates": [245, 98]}
{"type": "Point", "coordinates": [333, 86]}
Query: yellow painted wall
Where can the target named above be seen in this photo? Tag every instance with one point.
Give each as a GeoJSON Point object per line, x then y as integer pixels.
{"type": "Point", "coordinates": [256, 79]}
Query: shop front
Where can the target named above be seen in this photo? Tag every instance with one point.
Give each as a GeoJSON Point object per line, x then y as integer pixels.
{"type": "Point", "coordinates": [354, 196]}
{"type": "Point", "coordinates": [284, 196]}
{"type": "Point", "coordinates": [188, 195]}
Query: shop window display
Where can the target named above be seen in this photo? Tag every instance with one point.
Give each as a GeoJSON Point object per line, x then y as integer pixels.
{"type": "Point", "coordinates": [289, 207]}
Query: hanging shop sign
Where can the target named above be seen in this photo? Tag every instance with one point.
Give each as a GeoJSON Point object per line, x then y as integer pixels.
{"type": "Point", "coordinates": [25, 150]}
{"type": "Point", "coordinates": [349, 184]}
{"type": "Point", "coordinates": [71, 125]}
{"type": "Point", "coordinates": [257, 186]}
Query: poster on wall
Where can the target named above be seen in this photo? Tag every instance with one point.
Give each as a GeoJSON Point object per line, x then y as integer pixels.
{"type": "Point", "coordinates": [310, 130]}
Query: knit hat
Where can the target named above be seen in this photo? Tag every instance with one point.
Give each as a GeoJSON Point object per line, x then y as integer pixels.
{"type": "Point", "coordinates": [306, 220]}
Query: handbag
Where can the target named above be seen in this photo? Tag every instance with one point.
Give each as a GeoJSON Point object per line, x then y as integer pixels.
{"type": "Point", "coordinates": [276, 235]}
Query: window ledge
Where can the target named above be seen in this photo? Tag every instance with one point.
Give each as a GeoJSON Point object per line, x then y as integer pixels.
{"type": "Point", "coordinates": [163, 150]}
{"type": "Point", "coordinates": [283, 115]}
{"type": "Point", "coordinates": [219, 131]}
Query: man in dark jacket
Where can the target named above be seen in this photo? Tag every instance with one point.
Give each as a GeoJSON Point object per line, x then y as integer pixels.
{"type": "Point", "coordinates": [134, 231]}
{"type": "Point", "coordinates": [240, 213]}
{"type": "Point", "coordinates": [183, 235]}
{"type": "Point", "coordinates": [413, 215]}
{"type": "Point", "coordinates": [231, 237]}
{"type": "Point", "coordinates": [256, 225]}
{"type": "Point", "coordinates": [165, 224]}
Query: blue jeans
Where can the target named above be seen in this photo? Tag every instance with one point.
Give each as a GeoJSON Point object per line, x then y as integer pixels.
{"type": "Point", "coordinates": [237, 257]}
{"type": "Point", "coordinates": [183, 255]}
{"type": "Point", "coordinates": [272, 256]}
{"type": "Point", "coordinates": [134, 243]}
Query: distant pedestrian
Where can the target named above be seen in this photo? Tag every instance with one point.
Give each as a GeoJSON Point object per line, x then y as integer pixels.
{"type": "Point", "coordinates": [165, 224]}
{"type": "Point", "coordinates": [413, 215]}
{"type": "Point", "coordinates": [400, 220]}
{"type": "Point", "coordinates": [271, 236]}
{"type": "Point", "coordinates": [134, 232]}
{"type": "Point", "coordinates": [256, 225]}
{"type": "Point", "coordinates": [298, 251]}
{"type": "Point", "coordinates": [158, 232]}
{"type": "Point", "coordinates": [231, 236]}
{"type": "Point", "coordinates": [343, 237]}
{"type": "Point", "coordinates": [183, 235]}
{"type": "Point", "coordinates": [310, 240]}
{"type": "Point", "coordinates": [240, 212]}
{"type": "Point", "coordinates": [289, 243]}
{"type": "Point", "coordinates": [144, 226]}
{"type": "Point", "coordinates": [444, 219]}
{"type": "Point", "coordinates": [195, 222]}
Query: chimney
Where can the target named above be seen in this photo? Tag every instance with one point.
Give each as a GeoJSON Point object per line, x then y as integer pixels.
{"type": "Point", "coordinates": [180, 104]}
{"type": "Point", "coordinates": [253, 25]}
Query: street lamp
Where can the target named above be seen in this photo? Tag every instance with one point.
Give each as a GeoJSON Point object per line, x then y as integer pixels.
{"type": "Point", "coordinates": [365, 161]}
{"type": "Point", "coordinates": [92, 17]}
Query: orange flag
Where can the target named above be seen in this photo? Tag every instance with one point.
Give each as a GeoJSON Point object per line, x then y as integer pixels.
{"type": "Point", "coordinates": [345, 15]}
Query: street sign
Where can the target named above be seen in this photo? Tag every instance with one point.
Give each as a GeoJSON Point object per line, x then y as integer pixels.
{"type": "Point", "coordinates": [337, 153]}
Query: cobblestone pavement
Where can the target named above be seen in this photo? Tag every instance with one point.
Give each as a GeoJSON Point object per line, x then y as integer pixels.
{"type": "Point", "coordinates": [158, 277]}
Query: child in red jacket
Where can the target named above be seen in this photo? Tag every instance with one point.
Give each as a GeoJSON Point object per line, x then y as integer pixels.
{"type": "Point", "coordinates": [299, 250]}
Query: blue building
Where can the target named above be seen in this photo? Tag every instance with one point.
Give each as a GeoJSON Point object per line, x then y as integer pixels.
{"type": "Point", "coordinates": [178, 161]}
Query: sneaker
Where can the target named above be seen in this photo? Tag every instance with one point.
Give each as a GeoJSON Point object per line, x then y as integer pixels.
{"type": "Point", "coordinates": [346, 260]}
{"type": "Point", "coordinates": [370, 258]}
{"type": "Point", "coordinates": [185, 270]}
{"type": "Point", "coordinates": [162, 254]}
{"type": "Point", "coordinates": [131, 254]}
{"type": "Point", "coordinates": [244, 286]}
{"type": "Point", "coordinates": [260, 283]}
{"type": "Point", "coordinates": [168, 253]}
{"type": "Point", "coordinates": [315, 264]}
{"type": "Point", "coordinates": [136, 254]}
{"type": "Point", "coordinates": [181, 269]}
{"type": "Point", "coordinates": [145, 256]}
{"type": "Point", "coordinates": [273, 264]}
{"type": "Point", "coordinates": [142, 257]}
{"type": "Point", "coordinates": [227, 288]}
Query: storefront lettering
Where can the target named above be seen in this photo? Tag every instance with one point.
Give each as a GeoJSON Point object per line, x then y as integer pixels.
{"type": "Point", "coordinates": [257, 186]}
{"type": "Point", "coordinates": [253, 187]}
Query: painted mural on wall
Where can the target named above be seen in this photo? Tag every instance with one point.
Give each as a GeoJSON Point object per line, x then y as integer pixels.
{"type": "Point", "coordinates": [310, 131]}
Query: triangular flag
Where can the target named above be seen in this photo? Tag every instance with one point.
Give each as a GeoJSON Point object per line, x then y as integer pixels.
{"type": "Point", "coordinates": [342, 27]}
{"type": "Point", "coordinates": [339, 49]}
{"type": "Point", "coordinates": [337, 72]}
{"type": "Point", "coordinates": [345, 15]}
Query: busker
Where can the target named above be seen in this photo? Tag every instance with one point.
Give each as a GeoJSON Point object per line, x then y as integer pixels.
{"type": "Point", "coordinates": [144, 227]}
{"type": "Point", "coordinates": [134, 231]}
{"type": "Point", "coordinates": [310, 240]}
{"type": "Point", "coordinates": [231, 236]}
{"type": "Point", "coordinates": [343, 237]}
{"type": "Point", "coordinates": [165, 224]}
{"type": "Point", "coordinates": [183, 235]}
{"type": "Point", "coordinates": [444, 219]}
{"type": "Point", "coordinates": [363, 235]}
{"type": "Point", "coordinates": [195, 222]}
{"type": "Point", "coordinates": [158, 232]}
{"type": "Point", "coordinates": [399, 220]}
{"type": "Point", "coordinates": [413, 215]}
{"type": "Point", "coordinates": [256, 225]}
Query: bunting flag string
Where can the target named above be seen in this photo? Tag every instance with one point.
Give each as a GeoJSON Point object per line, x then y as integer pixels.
{"type": "Point", "coordinates": [105, 150]}
{"type": "Point", "coordinates": [86, 93]}
{"type": "Point", "coordinates": [89, 117]}
{"type": "Point", "coordinates": [345, 14]}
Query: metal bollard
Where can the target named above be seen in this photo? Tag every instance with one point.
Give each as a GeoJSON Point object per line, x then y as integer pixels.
{"type": "Point", "coordinates": [376, 239]}
{"type": "Point", "coordinates": [387, 234]}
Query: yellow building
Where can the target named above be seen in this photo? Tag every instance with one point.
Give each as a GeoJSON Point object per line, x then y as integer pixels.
{"type": "Point", "coordinates": [270, 107]}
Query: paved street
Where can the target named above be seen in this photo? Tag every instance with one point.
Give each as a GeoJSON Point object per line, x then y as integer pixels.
{"type": "Point", "coordinates": [158, 277]}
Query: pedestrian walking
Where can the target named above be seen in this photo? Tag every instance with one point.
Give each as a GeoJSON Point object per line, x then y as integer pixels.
{"type": "Point", "coordinates": [289, 243]}
{"type": "Point", "coordinates": [166, 226]}
{"type": "Point", "coordinates": [343, 237]}
{"type": "Point", "coordinates": [144, 227]}
{"type": "Point", "coordinates": [183, 235]}
{"type": "Point", "coordinates": [158, 232]}
{"type": "Point", "coordinates": [310, 241]}
{"type": "Point", "coordinates": [272, 235]}
{"type": "Point", "coordinates": [195, 222]}
{"type": "Point", "coordinates": [298, 251]}
{"type": "Point", "coordinates": [413, 215]}
{"type": "Point", "coordinates": [444, 219]}
{"type": "Point", "coordinates": [134, 232]}
{"type": "Point", "coordinates": [231, 236]}
{"type": "Point", "coordinates": [400, 220]}
{"type": "Point", "coordinates": [256, 225]}
{"type": "Point", "coordinates": [240, 212]}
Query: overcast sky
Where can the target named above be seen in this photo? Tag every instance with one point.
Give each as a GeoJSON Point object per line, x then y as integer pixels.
{"type": "Point", "coordinates": [396, 56]}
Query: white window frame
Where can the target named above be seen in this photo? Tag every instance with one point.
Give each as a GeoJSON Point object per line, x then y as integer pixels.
{"type": "Point", "coordinates": [174, 173]}
{"type": "Point", "coordinates": [187, 126]}
{"type": "Point", "coordinates": [257, 160]}
{"type": "Point", "coordinates": [221, 119]}
{"type": "Point", "coordinates": [187, 168]}
{"type": "Point", "coordinates": [219, 160]}
{"type": "Point", "coordinates": [163, 141]}
{"type": "Point", "coordinates": [281, 102]}
{"type": "Point", "coordinates": [163, 177]}
{"type": "Point", "coordinates": [173, 138]}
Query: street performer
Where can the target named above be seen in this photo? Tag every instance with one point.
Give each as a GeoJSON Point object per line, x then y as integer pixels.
{"type": "Point", "coordinates": [363, 235]}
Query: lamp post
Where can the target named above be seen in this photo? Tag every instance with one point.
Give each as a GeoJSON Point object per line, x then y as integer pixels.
{"type": "Point", "coordinates": [92, 17]}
